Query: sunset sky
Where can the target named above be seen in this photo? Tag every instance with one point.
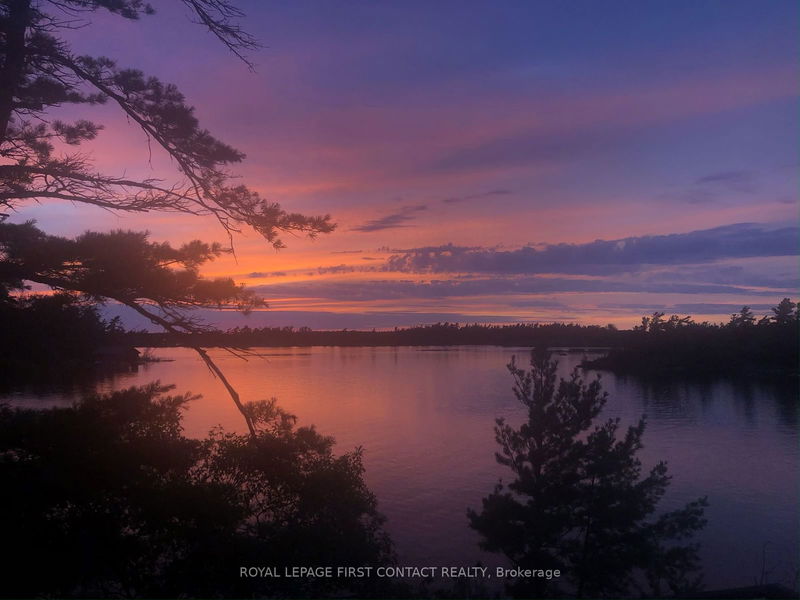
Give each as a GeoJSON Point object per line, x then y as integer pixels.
{"type": "Point", "coordinates": [486, 161]}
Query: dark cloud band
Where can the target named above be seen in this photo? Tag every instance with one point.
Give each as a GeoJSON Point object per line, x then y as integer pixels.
{"type": "Point", "coordinates": [606, 257]}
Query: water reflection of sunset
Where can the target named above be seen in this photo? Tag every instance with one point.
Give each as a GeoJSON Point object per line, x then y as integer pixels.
{"type": "Point", "coordinates": [424, 418]}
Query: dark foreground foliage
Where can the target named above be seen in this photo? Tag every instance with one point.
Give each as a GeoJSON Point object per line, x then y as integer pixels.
{"type": "Point", "coordinates": [50, 337]}
{"type": "Point", "coordinates": [580, 503]}
{"type": "Point", "coordinates": [109, 499]}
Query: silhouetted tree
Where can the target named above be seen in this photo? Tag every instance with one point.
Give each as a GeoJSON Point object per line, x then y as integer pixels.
{"type": "Point", "coordinates": [109, 499]}
{"type": "Point", "coordinates": [656, 323]}
{"type": "Point", "coordinates": [652, 323]}
{"type": "Point", "coordinates": [154, 273]}
{"type": "Point", "coordinates": [579, 502]}
{"type": "Point", "coordinates": [678, 345]}
{"type": "Point", "coordinates": [109, 494]}
{"type": "Point", "coordinates": [39, 72]}
{"type": "Point", "coordinates": [47, 337]}
{"type": "Point", "coordinates": [784, 313]}
{"type": "Point", "coordinates": [157, 281]}
{"type": "Point", "coordinates": [744, 318]}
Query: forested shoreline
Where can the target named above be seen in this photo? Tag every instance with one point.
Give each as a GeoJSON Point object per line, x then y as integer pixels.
{"type": "Point", "coordinates": [78, 340]}
{"type": "Point", "coordinates": [660, 345]}
{"type": "Point", "coordinates": [438, 334]}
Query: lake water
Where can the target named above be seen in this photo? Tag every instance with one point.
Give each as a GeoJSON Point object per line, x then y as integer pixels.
{"type": "Point", "coordinates": [425, 418]}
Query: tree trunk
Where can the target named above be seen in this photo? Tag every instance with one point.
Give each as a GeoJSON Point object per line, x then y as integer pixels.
{"type": "Point", "coordinates": [585, 549]}
{"type": "Point", "coordinates": [13, 67]}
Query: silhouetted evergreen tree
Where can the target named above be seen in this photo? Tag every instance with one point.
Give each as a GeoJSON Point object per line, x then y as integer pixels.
{"type": "Point", "coordinates": [156, 280]}
{"type": "Point", "coordinates": [744, 318]}
{"type": "Point", "coordinates": [579, 501]}
{"type": "Point", "coordinates": [39, 72]}
{"type": "Point", "coordinates": [784, 313]}
{"type": "Point", "coordinates": [110, 499]}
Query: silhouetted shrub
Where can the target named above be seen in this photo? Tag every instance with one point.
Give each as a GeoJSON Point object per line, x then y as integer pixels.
{"type": "Point", "coordinates": [109, 499]}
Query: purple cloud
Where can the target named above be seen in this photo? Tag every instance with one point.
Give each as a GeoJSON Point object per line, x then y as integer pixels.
{"type": "Point", "coordinates": [605, 257]}
{"type": "Point", "coordinates": [393, 221]}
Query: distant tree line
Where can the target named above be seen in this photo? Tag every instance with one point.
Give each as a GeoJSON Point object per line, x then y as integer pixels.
{"type": "Point", "coordinates": [660, 344]}
{"type": "Point", "coordinates": [438, 334]}
{"type": "Point", "coordinates": [61, 334]}
{"type": "Point", "coordinates": [744, 345]}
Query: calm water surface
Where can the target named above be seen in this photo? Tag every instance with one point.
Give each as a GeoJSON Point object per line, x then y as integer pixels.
{"type": "Point", "coordinates": [425, 417]}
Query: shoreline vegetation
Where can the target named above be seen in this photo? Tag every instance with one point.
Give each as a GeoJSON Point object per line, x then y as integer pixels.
{"type": "Point", "coordinates": [58, 337]}
{"type": "Point", "coordinates": [660, 346]}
